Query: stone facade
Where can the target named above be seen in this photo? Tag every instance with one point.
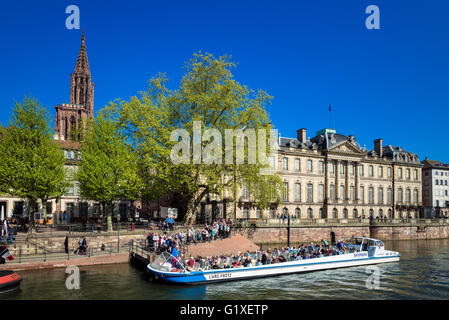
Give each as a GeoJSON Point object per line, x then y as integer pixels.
{"type": "Point", "coordinates": [435, 186]}
{"type": "Point", "coordinates": [332, 177]}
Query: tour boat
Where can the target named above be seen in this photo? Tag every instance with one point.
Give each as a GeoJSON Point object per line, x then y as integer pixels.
{"type": "Point", "coordinates": [9, 280]}
{"type": "Point", "coordinates": [366, 251]}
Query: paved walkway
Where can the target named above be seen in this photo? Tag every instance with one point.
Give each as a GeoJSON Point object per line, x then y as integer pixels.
{"type": "Point", "coordinates": [121, 257]}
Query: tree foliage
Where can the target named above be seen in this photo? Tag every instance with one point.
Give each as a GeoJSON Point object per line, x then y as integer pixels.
{"type": "Point", "coordinates": [31, 162]}
{"type": "Point", "coordinates": [208, 94]}
{"type": "Point", "coordinates": [108, 170]}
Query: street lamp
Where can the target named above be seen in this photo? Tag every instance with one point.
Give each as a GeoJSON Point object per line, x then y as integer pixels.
{"type": "Point", "coordinates": [118, 232]}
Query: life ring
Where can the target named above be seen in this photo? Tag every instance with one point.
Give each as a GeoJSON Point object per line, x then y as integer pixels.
{"type": "Point", "coordinates": [175, 270]}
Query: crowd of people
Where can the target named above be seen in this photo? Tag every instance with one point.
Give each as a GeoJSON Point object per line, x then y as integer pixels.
{"type": "Point", "coordinates": [8, 230]}
{"type": "Point", "coordinates": [262, 257]}
{"type": "Point", "coordinates": [166, 241]}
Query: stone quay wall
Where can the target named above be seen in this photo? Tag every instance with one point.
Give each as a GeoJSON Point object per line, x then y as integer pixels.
{"type": "Point", "coordinates": [392, 230]}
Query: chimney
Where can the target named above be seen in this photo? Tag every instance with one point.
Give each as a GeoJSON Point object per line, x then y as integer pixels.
{"type": "Point", "coordinates": [378, 147]}
{"type": "Point", "coordinates": [301, 135]}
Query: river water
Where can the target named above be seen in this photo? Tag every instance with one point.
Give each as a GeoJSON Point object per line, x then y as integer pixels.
{"type": "Point", "coordinates": [422, 273]}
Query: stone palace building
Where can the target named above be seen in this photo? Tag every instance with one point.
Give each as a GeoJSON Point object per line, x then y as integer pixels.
{"type": "Point", "coordinates": [330, 176]}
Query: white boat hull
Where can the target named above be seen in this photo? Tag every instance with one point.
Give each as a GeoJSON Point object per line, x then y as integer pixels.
{"type": "Point", "coordinates": [307, 265]}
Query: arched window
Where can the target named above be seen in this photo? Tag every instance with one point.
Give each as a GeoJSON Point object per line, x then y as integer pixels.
{"type": "Point", "coordinates": [298, 213]}
{"type": "Point", "coordinates": [272, 213]}
{"type": "Point", "coordinates": [309, 213]}
{"type": "Point", "coordinates": [408, 195]}
{"type": "Point", "coordinates": [355, 214]}
{"type": "Point", "coordinates": [345, 213]}
{"type": "Point", "coordinates": [415, 196]}
{"type": "Point", "coordinates": [335, 213]}
{"type": "Point", "coordinates": [321, 212]}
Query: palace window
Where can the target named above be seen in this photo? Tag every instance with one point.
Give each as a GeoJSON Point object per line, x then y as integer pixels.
{"type": "Point", "coordinates": [389, 172]}
{"type": "Point", "coordinates": [321, 192]}
{"type": "Point", "coordinates": [361, 170]}
{"type": "Point", "coordinates": [399, 173]}
{"type": "Point", "coordinates": [320, 167]}
{"type": "Point", "coordinates": [380, 195]}
{"type": "Point", "coordinates": [297, 165]}
{"type": "Point", "coordinates": [408, 195]}
{"type": "Point", "coordinates": [407, 174]}
{"type": "Point", "coordinates": [272, 213]}
{"type": "Point", "coordinates": [309, 213]}
{"type": "Point", "coordinates": [285, 163]}
{"type": "Point", "coordinates": [342, 168]}
{"type": "Point", "coordinates": [351, 193]}
{"type": "Point", "coordinates": [332, 192]}
{"type": "Point", "coordinates": [380, 172]}
{"type": "Point", "coordinates": [309, 192]}
{"type": "Point", "coordinates": [297, 192]}
{"type": "Point", "coordinates": [285, 191]}
{"type": "Point", "coordinates": [335, 213]}
{"type": "Point", "coordinates": [298, 213]}
{"type": "Point", "coordinates": [415, 174]}
{"type": "Point", "coordinates": [415, 195]}
{"type": "Point", "coordinates": [342, 192]}
{"type": "Point", "coordinates": [371, 171]}
{"type": "Point", "coordinates": [400, 198]}
{"type": "Point", "coordinates": [389, 196]}
{"type": "Point", "coordinates": [345, 213]}
{"type": "Point", "coordinates": [331, 168]}
{"type": "Point", "coordinates": [355, 214]}
{"type": "Point", "coordinates": [309, 166]}
{"type": "Point", "coordinates": [371, 195]}
{"type": "Point", "coordinates": [351, 169]}
{"type": "Point", "coordinates": [362, 194]}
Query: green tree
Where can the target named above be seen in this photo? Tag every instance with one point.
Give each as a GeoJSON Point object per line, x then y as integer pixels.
{"type": "Point", "coordinates": [210, 95]}
{"type": "Point", "coordinates": [31, 162]}
{"type": "Point", "coordinates": [108, 170]}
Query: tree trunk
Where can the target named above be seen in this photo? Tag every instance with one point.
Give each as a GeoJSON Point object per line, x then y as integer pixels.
{"type": "Point", "coordinates": [108, 209]}
{"type": "Point", "coordinates": [44, 208]}
{"type": "Point", "coordinates": [190, 217]}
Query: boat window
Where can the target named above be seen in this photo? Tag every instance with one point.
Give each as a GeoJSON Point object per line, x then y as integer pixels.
{"type": "Point", "coordinates": [371, 243]}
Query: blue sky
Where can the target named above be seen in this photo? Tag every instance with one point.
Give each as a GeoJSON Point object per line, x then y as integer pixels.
{"type": "Point", "coordinates": [391, 83]}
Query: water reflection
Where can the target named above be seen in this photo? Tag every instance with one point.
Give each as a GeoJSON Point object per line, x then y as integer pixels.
{"type": "Point", "coordinates": [422, 273]}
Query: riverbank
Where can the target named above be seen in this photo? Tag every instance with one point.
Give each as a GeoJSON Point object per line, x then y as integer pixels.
{"type": "Point", "coordinates": [83, 261]}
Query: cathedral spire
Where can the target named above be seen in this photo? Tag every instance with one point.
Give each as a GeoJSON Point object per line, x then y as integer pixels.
{"type": "Point", "coordinates": [81, 87]}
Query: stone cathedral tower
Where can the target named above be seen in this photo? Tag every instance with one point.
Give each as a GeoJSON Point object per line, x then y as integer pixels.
{"type": "Point", "coordinates": [69, 116]}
